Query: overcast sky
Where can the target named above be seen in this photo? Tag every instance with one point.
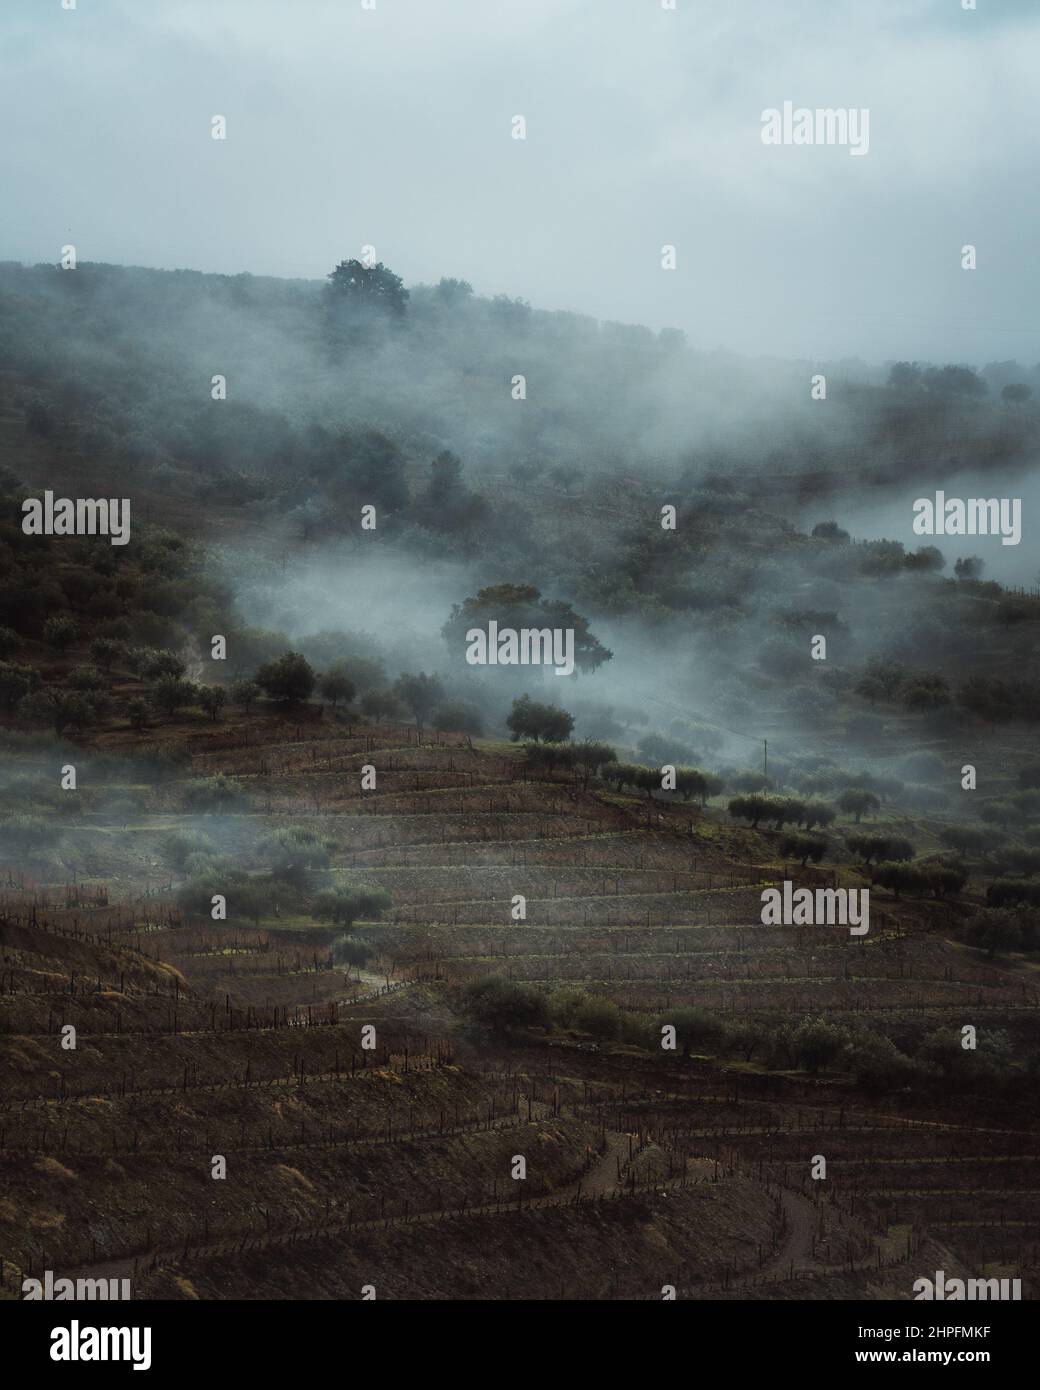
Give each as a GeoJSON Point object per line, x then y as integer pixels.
{"type": "Point", "coordinates": [392, 127]}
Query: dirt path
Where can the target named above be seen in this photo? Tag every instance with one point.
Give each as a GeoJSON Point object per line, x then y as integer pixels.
{"type": "Point", "coordinates": [600, 1180]}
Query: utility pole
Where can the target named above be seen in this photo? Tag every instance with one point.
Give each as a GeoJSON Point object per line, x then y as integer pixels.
{"type": "Point", "coordinates": [765, 759]}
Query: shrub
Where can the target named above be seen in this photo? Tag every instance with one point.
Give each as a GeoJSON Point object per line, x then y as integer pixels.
{"type": "Point", "coordinates": [244, 895]}
{"type": "Point", "coordinates": [502, 1005]}
{"type": "Point", "coordinates": [16, 682]}
{"type": "Point", "coordinates": [158, 665]}
{"type": "Point", "coordinates": [176, 848]}
{"type": "Point", "coordinates": [944, 877]}
{"type": "Point", "coordinates": [349, 903]}
{"type": "Point", "coordinates": [292, 854]}
{"type": "Point", "coordinates": [382, 704]}
{"type": "Point", "coordinates": [857, 802]}
{"type": "Point", "coordinates": [351, 950]}
{"type": "Point", "coordinates": [967, 839]}
{"type": "Point", "coordinates": [65, 710]}
{"type": "Point", "coordinates": [900, 878]}
{"type": "Point", "coordinates": [1008, 892]}
{"type": "Point", "coordinates": [216, 793]}
{"type": "Point", "coordinates": [289, 679]}
{"type": "Point", "coordinates": [60, 631]}
{"type": "Point", "coordinates": [244, 693]}
{"type": "Point", "coordinates": [420, 694]}
{"type": "Point", "coordinates": [212, 699]}
{"type": "Point", "coordinates": [106, 651]}
{"type": "Point", "coordinates": [171, 694]}
{"type": "Point", "coordinates": [86, 678]}
{"type": "Point", "coordinates": [693, 1027]}
{"type": "Point", "coordinates": [803, 848]}
{"type": "Point", "coordinates": [599, 1017]}
{"type": "Point", "coordinates": [543, 723]}
{"type": "Point", "coordinates": [458, 717]}
{"type": "Point", "coordinates": [994, 929]}
{"type": "Point", "coordinates": [548, 756]}
{"type": "Point", "coordinates": [877, 1063]}
{"type": "Point", "coordinates": [815, 1043]}
{"type": "Point", "coordinates": [336, 685]}
{"type": "Point", "coordinates": [890, 847]}
{"type": "Point", "coordinates": [137, 713]}
{"type": "Point", "coordinates": [817, 813]}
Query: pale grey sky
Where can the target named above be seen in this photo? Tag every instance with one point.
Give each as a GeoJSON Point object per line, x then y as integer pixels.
{"type": "Point", "coordinates": [392, 127]}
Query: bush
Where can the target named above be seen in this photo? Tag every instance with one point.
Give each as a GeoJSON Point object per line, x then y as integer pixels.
{"type": "Point", "coordinates": [244, 896]}
{"type": "Point", "coordinates": [543, 723]}
{"type": "Point", "coordinates": [502, 1005]}
{"type": "Point", "coordinates": [292, 854]}
{"type": "Point", "coordinates": [212, 699]}
{"type": "Point", "coordinates": [803, 848]}
{"type": "Point", "coordinates": [944, 877]}
{"type": "Point", "coordinates": [1008, 892]}
{"type": "Point", "coordinates": [817, 813]}
{"type": "Point", "coordinates": [16, 683]}
{"type": "Point", "coordinates": [351, 950]}
{"type": "Point", "coordinates": [157, 665]}
{"type": "Point", "coordinates": [941, 1051]}
{"type": "Point", "coordinates": [691, 781]}
{"type": "Point", "coordinates": [564, 1003]}
{"type": "Point", "coordinates": [967, 839]}
{"type": "Point", "coordinates": [780, 810]}
{"type": "Point", "coordinates": [994, 929]}
{"type": "Point", "coordinates": [1023, 863]}
{"type": "Point", "coordinates": [879, 847]}
{"type": "Point", "coordinates": [349, 903]}
{"type": "Point", "coordinates": [382, 704]}
{"type": "Point", "coordinates": [289, 679]}
{"type": "Point", "coordinates": [65, 710]}
{"type": "Point", "coordinates": [171, 694]}
{"type": "Point", "coordinates": [176, 848]}
{"type": "Point", "coordinates": [60, 632]}
{"type": "Point", "coordinates": [458, 717]}
{"type": "Point", "coordinates": [86, 678]}
{"type": "Point", "coordinates": [420, 694]}
{"type": "Point", "coordinates": [548, 757]}
{"type": "Point", "coordinates": [591, 757]}
{"type": "Point", "coordinates": [244, 693]}
{"type": "Point", "coordinates": [857, 802]}
{"type": "Point", "coordinates": [137, 713]}
{"type": "Point", "coordinates": [877, 1064]}
{"type": "Point", "coordinates": [693, 1027]}
{"type": "Point", "coordinates": [599, 1017]}
{"type": "Point", "coordinates": [815, 1043]}
{"type": "Point", "coordinates": [106, 651]}
{"type": "Point", "coordinates": [900, 878]}
{"type": "Point", "coordinates": [216, 793]}
{"type": "Point", "coordinates": [750, 808]}
{"type": "Point", "coordinates": [336, 685]}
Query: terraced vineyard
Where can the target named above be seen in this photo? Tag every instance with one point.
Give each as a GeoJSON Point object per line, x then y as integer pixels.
{"type": "Point", "coordinates": [392, 1165]}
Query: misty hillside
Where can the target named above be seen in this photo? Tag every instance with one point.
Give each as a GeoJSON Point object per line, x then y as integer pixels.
{"type": "Point", "coordinates": [340, 396]}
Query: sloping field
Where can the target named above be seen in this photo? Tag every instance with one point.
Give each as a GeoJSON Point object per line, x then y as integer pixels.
{"type": "Point", "coordinates": [235, 1048]}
